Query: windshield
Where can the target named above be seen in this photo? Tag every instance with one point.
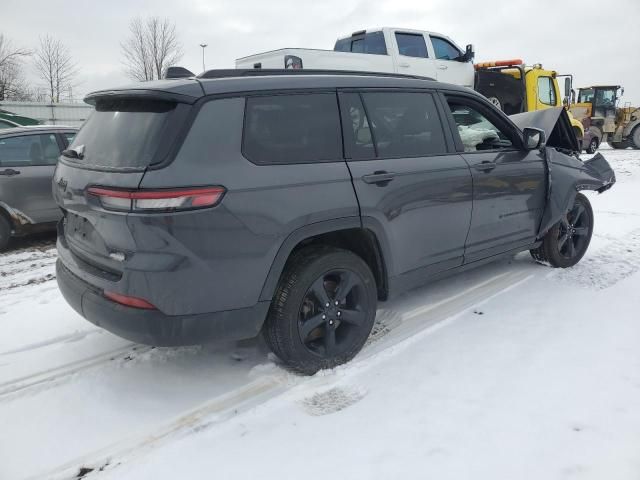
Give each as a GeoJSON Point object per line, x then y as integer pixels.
{"type": "Point", "coordinates": [585, 95]}
{"type": "Point", "coordinates": [125, 133]}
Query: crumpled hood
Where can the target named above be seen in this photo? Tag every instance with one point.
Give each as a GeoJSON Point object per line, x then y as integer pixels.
{"type": "Point", "coordinates": [554, 122]}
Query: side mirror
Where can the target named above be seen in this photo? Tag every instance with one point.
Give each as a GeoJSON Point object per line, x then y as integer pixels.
{"type": "Point", "coordinates": [573, 96]}
{"type": "Point", "coordinates": [469, 54]}
{"type": "Point", "coordinates": [567, 86]}
{"type": "Point", "coordinates": [533, 138]}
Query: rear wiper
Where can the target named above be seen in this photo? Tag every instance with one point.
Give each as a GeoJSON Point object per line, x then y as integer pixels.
{"type": "Point", "coordinates": [77, 152]}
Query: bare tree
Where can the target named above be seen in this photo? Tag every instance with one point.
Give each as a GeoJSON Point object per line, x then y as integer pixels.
{"type": "Point", "coordinates": [12, 83]}
{"type": "Point", "coordinates": [55, 66]}
{"type": "Point", "coordinates": [151, 48]}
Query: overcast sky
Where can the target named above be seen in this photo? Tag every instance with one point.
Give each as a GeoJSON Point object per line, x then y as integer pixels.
{"type": "Point", "coordinates": [597, 41]}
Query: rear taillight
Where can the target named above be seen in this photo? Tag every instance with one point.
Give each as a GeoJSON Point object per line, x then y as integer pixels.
{"type": "Point", "coordinates": [128, 301]}
{"type": "Point", "coordinates": [157, 200]}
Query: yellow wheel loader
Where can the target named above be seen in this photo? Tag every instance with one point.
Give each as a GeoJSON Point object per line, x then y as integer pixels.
{"type": "Point", "coordinates": [597, 108]}
{"type": "Point", "coordinates": [515, 87]}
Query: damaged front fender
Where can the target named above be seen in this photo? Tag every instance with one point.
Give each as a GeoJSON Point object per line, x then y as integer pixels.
{"type": "Point", "coordinates": [566, 173]}
{"type": "Point", "coordinates": [567, 176]}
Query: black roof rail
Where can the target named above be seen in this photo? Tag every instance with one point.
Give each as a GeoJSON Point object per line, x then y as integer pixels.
{"type": "Point", "coordinates": [260, 72]}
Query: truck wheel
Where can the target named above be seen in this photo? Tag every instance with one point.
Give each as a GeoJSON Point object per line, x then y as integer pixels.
{"type": "Point", "coordinates": [567, 241]}
{"type": "Point", "coordinates": [593, 146]}
{"type": "Point", "coordinates": [635, 137]}
{"type": "Point", "coordinates": [5, 233]}
{"type": "Point", "coordinates": [496, 101]}
{"type": "Point", "coordinates": [323, 310]}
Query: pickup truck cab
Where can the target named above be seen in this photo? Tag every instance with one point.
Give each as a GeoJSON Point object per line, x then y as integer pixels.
{"type": "Point", "coordinates": [390, 50]}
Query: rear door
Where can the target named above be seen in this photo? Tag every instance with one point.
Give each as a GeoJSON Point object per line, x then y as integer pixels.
{"type": "Point", "coordinates": [509, 183]}
{"type": "Point", "coordinates": [412, 55]}
{"type": "Point", "coordinates": [27, 163]}
{"type": "Point", "coordinates": [408, 182]}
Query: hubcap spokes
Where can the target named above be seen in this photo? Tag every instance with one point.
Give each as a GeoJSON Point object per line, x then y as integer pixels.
{"type": "Point", "coordinates": [574, 229]}
{"type": "Point", "coordinates": [331, 312]}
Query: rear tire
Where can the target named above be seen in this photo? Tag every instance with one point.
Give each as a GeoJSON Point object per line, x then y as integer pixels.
{"type": "Point", "coordinates": [568, 240]}
{"type": "Point", "coordinates": [620, 145]}
{"type": "Point", "coordinates": [5, 233]}
{"type": "Point", "coordinates": [496, 101]}
{"type": "Point", "coordinates": [635, 137]}
{"type": "Point", "coordinates": [323, 310]}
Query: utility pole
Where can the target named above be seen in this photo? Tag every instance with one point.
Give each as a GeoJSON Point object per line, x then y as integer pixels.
{"type": "Point", "coordinates": [203, 45]}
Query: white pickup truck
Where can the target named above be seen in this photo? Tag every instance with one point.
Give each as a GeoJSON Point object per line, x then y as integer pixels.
{"type": "Point", "coordinates": [390, 50]}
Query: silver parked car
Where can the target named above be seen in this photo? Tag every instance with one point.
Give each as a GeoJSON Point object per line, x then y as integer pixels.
{"type": "Point", "coordinates": [28, 157]}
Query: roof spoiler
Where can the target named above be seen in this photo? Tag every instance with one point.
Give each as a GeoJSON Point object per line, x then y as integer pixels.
{"type": "Point", "coordinates": [178, 72]}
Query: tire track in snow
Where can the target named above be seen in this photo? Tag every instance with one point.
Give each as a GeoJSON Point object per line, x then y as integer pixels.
{"type": "Point", "coordinates": [54, 376]}
{"type": "Point", "coordinates": [394, 328]}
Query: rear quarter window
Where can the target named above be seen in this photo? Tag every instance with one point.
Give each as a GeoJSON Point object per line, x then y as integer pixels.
{"type": "Point", "coordinates": [300, 128]}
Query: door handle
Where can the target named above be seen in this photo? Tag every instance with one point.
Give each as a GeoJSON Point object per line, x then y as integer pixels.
{"type": "Point", "coordinates": [9, 172]}
{"type": "Point", "coordinates": [442, 67]}
{"type": "Point", "coordinates": [380, 178]}
{"type": "Point", "coordinates": [485, 166]}
{"type": "Point", "coordinates": [403, 65]}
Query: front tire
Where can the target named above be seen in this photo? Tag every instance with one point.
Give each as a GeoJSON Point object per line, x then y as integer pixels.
{"type": "Point", "coordinates": [323, 310]}
{"type": "Point", "coordinates": [593, 146]}
{"type": "Point", "coordinates": [5, 233]}
{"type": "Point", "coordinates": [568, 240]}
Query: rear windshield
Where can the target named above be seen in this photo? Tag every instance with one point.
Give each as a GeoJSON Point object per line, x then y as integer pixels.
{"type": "Point", "coordinates": [125, 133]}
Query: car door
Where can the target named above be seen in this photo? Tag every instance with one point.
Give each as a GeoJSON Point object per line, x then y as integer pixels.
{"type": "Point", "coordinates": [412, 56]}
{"type": "Point", "coordinates": [408, 180]}
{"type": "Point", "coordinates": [448, 64]}
{"type": "Point", "coordinates": [509, 182]}
{"type": "Point", "coordinates": [27, 164]}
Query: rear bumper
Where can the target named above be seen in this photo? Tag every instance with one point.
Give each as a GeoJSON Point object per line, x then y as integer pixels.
{"type": "Point", "coordinates": [152, 327]}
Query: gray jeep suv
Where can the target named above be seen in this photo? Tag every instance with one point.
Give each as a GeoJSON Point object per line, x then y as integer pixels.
{"type": "Point", "coordinates": [217, 206]}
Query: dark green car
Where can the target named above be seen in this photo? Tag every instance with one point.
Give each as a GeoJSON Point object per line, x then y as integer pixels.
{"type": "Point", "coordinates": [11, 120]}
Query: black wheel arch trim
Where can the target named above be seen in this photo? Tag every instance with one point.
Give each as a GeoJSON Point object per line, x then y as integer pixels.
{"type": "Point", "coordinates": [327, 226]}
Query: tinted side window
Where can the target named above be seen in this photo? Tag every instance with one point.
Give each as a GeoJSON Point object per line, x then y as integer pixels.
{"type": "Point", "coordinates": [4, 124]}
{"type": "Point", "coordinates": [292, 129]}
{"type": "Point", "coordinates": [358, 142]}
{"type": "Point", "coordinates": [444, 49]}
{"type": "Point", "coordinates": [476, 131]}
{"type": "Point", "coordinates": [546, 91]}
{"type": "Point", "coordinates": [29, 150]}
{"type": "Point", "coordinates": [372, 43]}
{"type": "Point", "coordinates": [411, 45]}
{"type": "Point", "coordinates": [405, 124]}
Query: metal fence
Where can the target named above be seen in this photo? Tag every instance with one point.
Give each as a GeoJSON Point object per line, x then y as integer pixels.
{"type": "Point", "coordinates": [71, 114]}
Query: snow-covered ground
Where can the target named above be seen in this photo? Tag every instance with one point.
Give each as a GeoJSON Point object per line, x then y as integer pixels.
{"type": "Point", "coordinates": [510, 371]}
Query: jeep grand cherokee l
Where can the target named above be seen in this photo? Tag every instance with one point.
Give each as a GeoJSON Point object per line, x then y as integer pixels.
{"type": "Point", "coordinates": [221, 206]}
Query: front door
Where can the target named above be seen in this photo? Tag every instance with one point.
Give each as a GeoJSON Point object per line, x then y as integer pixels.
{"type": "Point", "coordinates": [408, 179]}
{"type": "Point", "coordinates": [509, 183]}
{"type": "Point", "coordinates": [27, 163]}
{"type": "Point", "coordinates": [449, 67]}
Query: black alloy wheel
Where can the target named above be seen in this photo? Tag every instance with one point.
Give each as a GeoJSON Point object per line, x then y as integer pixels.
{"type": "Point", "coordinates": [332, 313]}
{"type": "Point", "coordinates": [323, 310]}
